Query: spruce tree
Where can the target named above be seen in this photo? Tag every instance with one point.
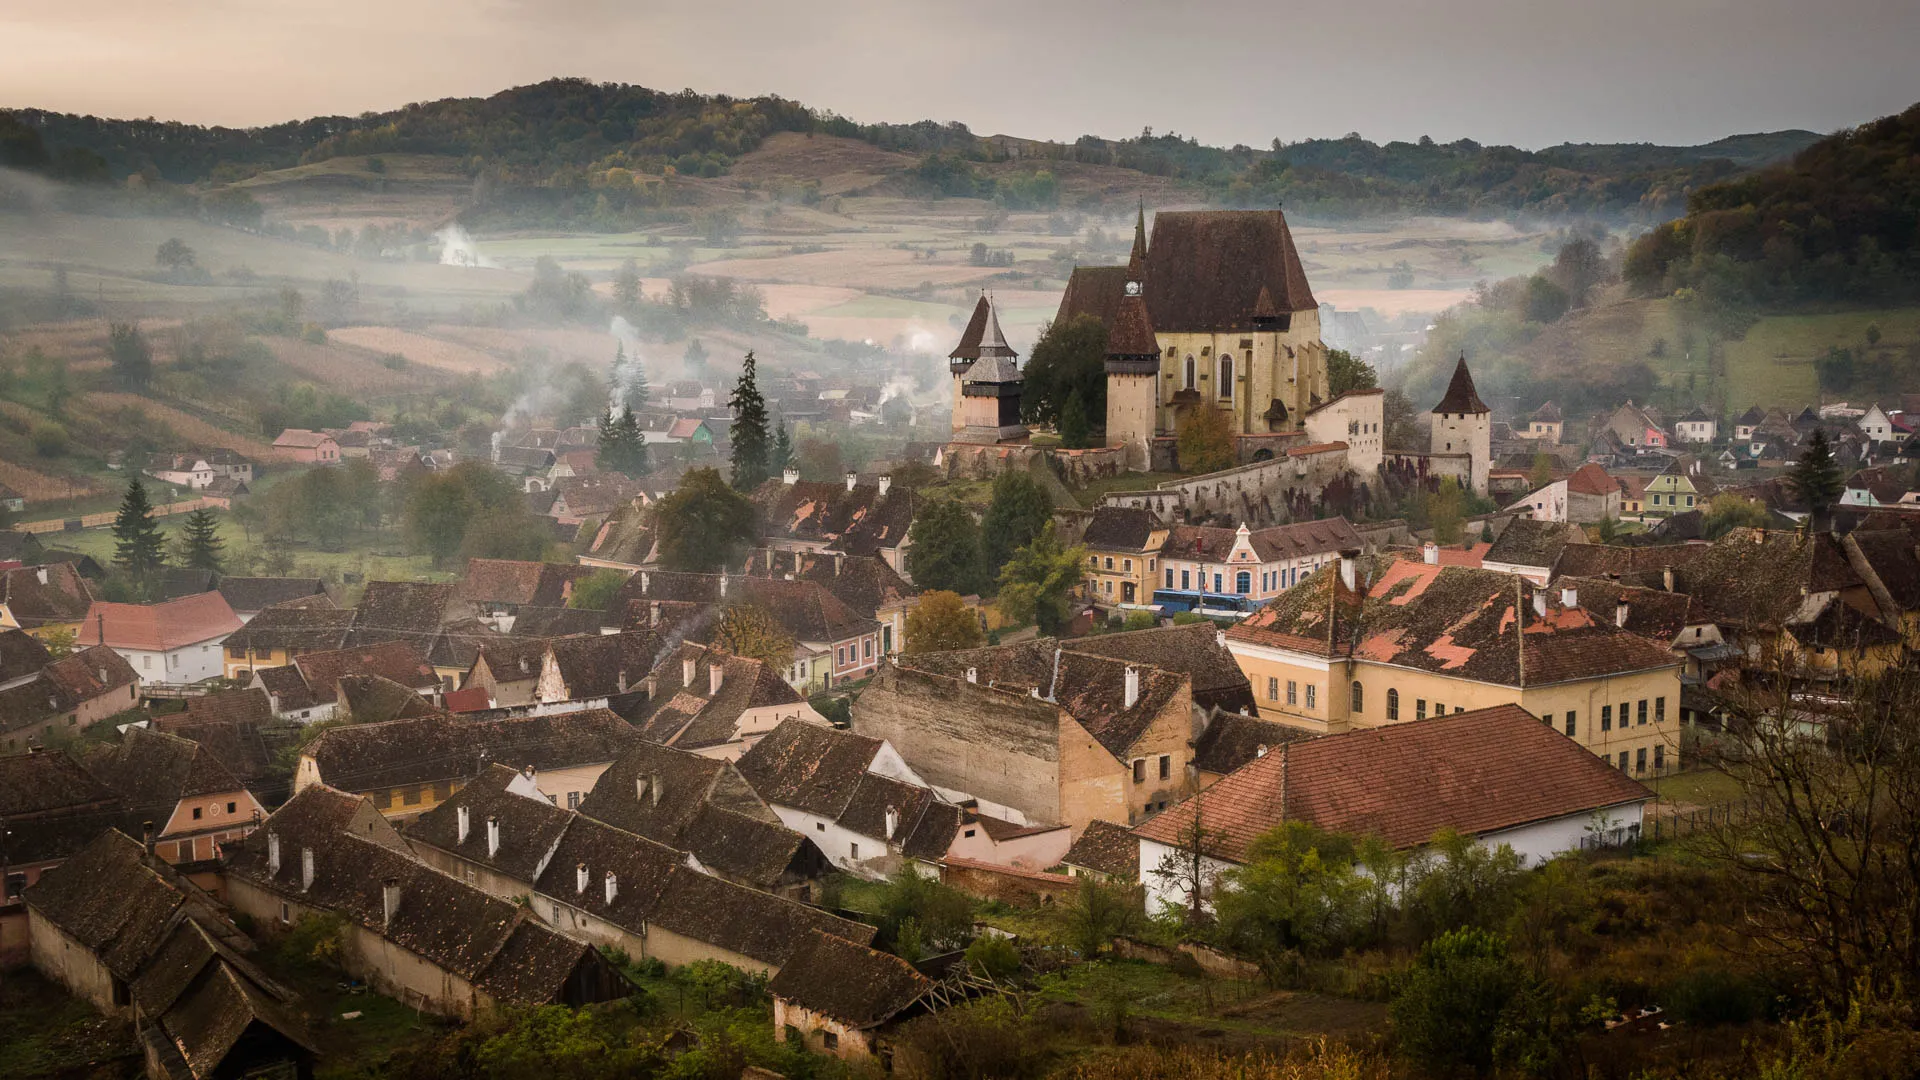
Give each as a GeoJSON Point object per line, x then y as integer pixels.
{"type": "Point", "coordinates": [1816, 477]}
{"type": "Point", "coordinates": [1073, 424]}
{"type": "Point", "coordinates": [200, 541]}
{"type": "Point", "coordinates": [138, 546]}
{"type": "Point", "coordinates": [633, 444]}
{"type": "Point", "coordinates": [782, 451]}
{"type": "Point", "coordinates": [751, 445]}
{"type": "Point", "coordinates": [637, 391]}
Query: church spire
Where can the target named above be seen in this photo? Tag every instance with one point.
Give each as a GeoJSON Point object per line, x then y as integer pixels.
{"type": "Point", "coordinates": [1461, 396]}
{"type": "Point", "coordinates": [1138, 260]}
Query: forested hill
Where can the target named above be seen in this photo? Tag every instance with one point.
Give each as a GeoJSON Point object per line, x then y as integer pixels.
{"type": "Point", "coordinates": [553, 133]}
{"type": "Point", "coordinates": [1839, 222]}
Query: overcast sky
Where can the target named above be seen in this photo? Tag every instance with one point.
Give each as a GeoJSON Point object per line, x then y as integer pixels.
{"type": "Point", "coordinates": [1527, 72]}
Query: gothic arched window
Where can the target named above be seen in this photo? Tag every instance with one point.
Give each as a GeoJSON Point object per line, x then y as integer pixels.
{"type": "Point", "coordinates": [1226, 375]}
{"type": "Point", "coordinates": [1190, 372]}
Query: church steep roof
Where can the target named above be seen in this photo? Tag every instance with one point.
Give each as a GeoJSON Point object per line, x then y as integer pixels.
{"type": "Point", "coordinates": [982, 338]}
{"type": "Point", "coordinates": [1461, 396]}
{"type": "Point", "coordinates": [1130, 334]}
{"type": "Point", "coordinates": [1206, 270]}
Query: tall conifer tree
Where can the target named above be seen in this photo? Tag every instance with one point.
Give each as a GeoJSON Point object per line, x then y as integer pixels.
{"type": "Point", "coordinates": [138, 546]}
{"type": "Point", "coordinates": [751, 444]}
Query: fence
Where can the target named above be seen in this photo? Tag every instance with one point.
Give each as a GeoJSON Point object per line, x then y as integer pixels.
{"type": "Point", "coordinates": [94, 521]}
{"type": "Point", "coordinates": [1677, 826]}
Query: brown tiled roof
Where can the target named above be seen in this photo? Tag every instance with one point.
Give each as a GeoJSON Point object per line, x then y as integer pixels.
{"type": "Point", "coordinates": [1632, 565]}
{"type": "Point", "coordinates": [1231, 740]}
{"type": "Point", "coordinates": [1119, 528]}
{"type": "Point", "coordinates": [1754, 578]}
{"type": "Point", "coordinates": [204, 998]}
{"type": "Point", "coordinates": [690, 716]}
{"type": "Point", "coordinates": [314, 678]}
{"type": "Point", "coordinates": [1195, 651]}
{"type": "Point", "coordinates": [805, 609]}
{"type": "Point", "coordinates": [246, 748]}
{"type": "Point", "coordinates": [677, 785]}
{"type": "Point", "coordinates": [1591, 479]}
{"type": "Point", "coordinates": [153, 770]}
{"type": "Point", "coordinates": [405, 610]}
{"type": "Point", "coordinates": [627, 536]}
{"type": "Point", "coordinates": [1838, 625]}
{"type": "Point", "coordinates": [848, 982]}
{"type": "Point", "coordinates": [1892, 556]}
{"type": "Point", "coordinates": [809, 767]}
{"type": "Point", "coordinates": [864, 583]}
{"type": "Point", "coordinates": [596, 494]}
{"type": "Point", "coordinates": [48, 782]}
{"type": "Point", "coordinates": [299, 627]}
{"type": "Point", "coordinates": [86, 674]}
{"type": "Point", "coordinates": [1106, 848]}
{"type": "Point", "coordinates": [1548, 413]}
{"type": "Point", "coordinates": [1090, 688]}
{"type": "Point", "coordinates": [224, 706]}
{"type": "Point", "coordinates": [552, 622]}
{"type": "Point", "coordinates": [1461, 397]}
{"type": "Point", "coordinates": [159, 627]}
{"type": "Point", "coordinates": [118, 901]}
{"type": "Point", "coordinates": [857, 522]}
{"type": "Point", "coordinates": [301, 438]}
{"type": "Point", "coordinates": [1130, 335]}
{"type": "Point", "coordinates": [363, 757]}
{"type": "Point", "coordinates": [602, 665]}
{"type": "Point", "coordinates": [259, 593]}
{"type": "Point", "coordinates": [516, 658]}
{"type": "Point", "coordinates": [21, 654]}
{"type": "Point", "coordinates": [501, 581]}
{"type": "Point", "coordinates": [1206, 270]}
{"type": "Point", "coordinates": [754, 924]}
{"type": "Point", "coordinates": [1527, 542]}
{"type": "Point", "coordinates": [1651, 613]}
{"type": "Point", "coordinates": [1095, 291]}
{"type": "Point", "coordinates": [374, 699]}
{"type": "Point", "coordinates": [741, 847]}
{"type": "Point", "coordinates": [976, 329]}
{"type": "Point", "coordinates": [529, 827]}
{"type": "Point", "coordinates": [1475, 772]}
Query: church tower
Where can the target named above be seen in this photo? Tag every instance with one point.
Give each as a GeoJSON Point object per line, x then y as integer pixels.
{"type": "Point", "coordinates": [1133, 363]}
{"type": "Point", "coordinates": [1462, 424]}
{"type": "Point", "coordinates": [986, 382]}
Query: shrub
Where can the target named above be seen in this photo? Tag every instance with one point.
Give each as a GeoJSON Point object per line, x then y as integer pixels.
{"type": "Point", "coordinates": [49, 440]}
{"type": "Point", "coordinates": [993, 955]}
{"type": "Point", "coordinates": [1467, 1006]}
{"type": "Point", "coordinates": [1709, 996]}
{"type": "Point", "coordinates": [984, 1039]}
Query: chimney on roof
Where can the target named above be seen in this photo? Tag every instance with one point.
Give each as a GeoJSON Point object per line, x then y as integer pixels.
{"type": "Point", "coordinates": [527, 771]}
{"type": "Point", "coordinates": [1666, 578]}
{"type": "Point", "coordinates": [852, 479]}
{"type": "Point", "coordinates": [653, 788]}
{"type": "Point", "coordinates": [790, 477]}
{"type": "Point", "coordinates": [306, 868]}
{"type": "Point", "coordinates": [716, 673]}
{"type": "Point", "coordinates": [1540, 603]}
{"type": "Point", "coordinates": [1133, 686]}
{"type": "Point", "coordinates": [273, 854]}
{"type": "Point", "coordinates": [893, 821]}
{"type": "Point", "coordinates": [620, 682]}
{"type": "Point", "coordinates": [1621, 610]}
{"type": "Point", "coordinates": [1569, 596]}
{"type": "Point", "coordinates": [146, 836]}
{"type": "Point", "coordinates": [1347, 556]}
{"type": "Point", "coordinates": [885, 483]}
{"type": "Point", "coordinates": [769, 560]}
{"type": "Point", "coordinates": [653, 615]}
{"type": "Point", "coordinates": [839, 562]}
{"type": "Point", "coordinates": [389, 900]}
{"type": "Point", "coordinates": [973, 675]}
{"type": "Point", "coordinates": [613, 887]}
{"type": "Point", "coordinates": [580, 877]}
{"type": "Point", "coordinates": [723, 584]}
{"type": "Point", "coordinates": [688, 667]}
{"type": "Point", "coordinates": [462, 824]}
{"type": "Point", "coordinates": [493, 836]}
{"type": "Point", "coordinates": [41, 573]}
{"type": "Point", "coordinates": [1220, 638]}
{"type": "Point", "coordinates": [1430, 553]}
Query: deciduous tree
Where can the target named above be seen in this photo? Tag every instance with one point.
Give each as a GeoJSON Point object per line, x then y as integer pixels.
{"type": "Point", "coordinates": [1038, 581]}
{"type": "Point", "coordinates": [943, 550]}
{"type": "Point", "coordinates": [703, 523]}
{"type": "Point", "coordinates": [1346, 372]}
{"type": "Point", "coordinates": [940, 622]}
{"type": "Point", "coordinates": [1019, 510]}
{"type": "Point", "coordinates": [1205, 440]}
{"type": "Point", "coordinates": [132, 357]}
{"type": "Point", "coordinates": [1068, 364]}
{"type": "Point", "coordinates": [749, 630]}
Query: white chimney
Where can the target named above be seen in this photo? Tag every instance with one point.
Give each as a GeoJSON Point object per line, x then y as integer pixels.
{"type": "Point", "coordinates": [716, 672]}
{"type": "Point", "coordinates": [41, 573]}
{"type": "Point", "coordinates": [613, 888]}
{"type": "Point", "coordinates": [580, 877]}
{"type": "Point", "coordinates": [653, 614]}
{"type": "Point", "coordinates": [852, 479]}
{"type": "Point", "coordinates": [1346, 569]}
{"type": "Point", "coordinates": [1569, 596]}
{"type": "Point", "coordinates": [640, 789]}
{"type": "Point", "coordinates": [687, 670]}
{"type": "Point", "coordinates": [1133, 686]}
{"type": "Point", "coordinates": [653, 788]}
{"type": "Point", "coordinates": [646, 583]}
{"type": "Point", "coordinates": [973, 675]}
{"type": "Point", "coordinates": [463, 821]}
{"type": "Point", "coordinates": [1220, 638]}
{"type": "Point", "coordinates": [389, 899]}
{"type": "Point", "coordinates": [723, 584]}
{"type": "Point", "coordinates": [885, 483]}
{"type": "Point", "coordinates": [306, 869]}
{"type": "Point", "coordinates": [1430, 554]}
{"type": "Point", "coordinates": [1540, 603]}
{"type": "Point", "coordinates": [620, 682]}
{"type": "Point", "coordinates": [1666, 579]}
{"type": "Point", "coordinates": [790, 477]}
{"type": "Point", "coordinates": [893, 822]}
{"type": "Point", "coordinates": [493, 836]}
{"type": "Point", "coordinates": [1621, 611]}
{"type": "Point", "coordinates": [498, 438]}
{"type": "Point", "coordinates": [273, 854]}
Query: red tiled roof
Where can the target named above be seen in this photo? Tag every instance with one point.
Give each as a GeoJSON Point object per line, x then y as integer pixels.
{"type": "Point", "coordinates": [468, 699]}
{"type": "Point", "coordinates": [1591, 479]}
{"type": "Point", "coordinates": [159, 627]}
{"type": "Point", "coordinates": [1474, 772]}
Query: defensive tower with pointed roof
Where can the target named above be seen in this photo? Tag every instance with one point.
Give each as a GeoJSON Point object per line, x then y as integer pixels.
{"type": "Point", "coordinates": [986, 381]}
{"type": "Point", "coordinates": [1234, 327]}
{"type": "Point", "coordinates": [1462, 424]}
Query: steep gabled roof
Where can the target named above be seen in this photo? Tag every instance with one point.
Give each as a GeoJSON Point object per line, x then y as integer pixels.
{"type": "Point", "coordinates": [809, 767]}
{"type": "Point", "coordinates": [1461, 397]}
{"type": "Point", "coordinates": [861, 521]}
{"type": "Point", "coordinates": [1089, 687]}
{"type": "Point", "coordinates": [1231, 740]}
{"type": "Point", "coordinates": [1475, 772]}
{"type": "Point", "coordinates": [363, 757]}
{"type": "Point", "coordinates": [245, 594]}
{"type": "Point", "coordinates": [1529, 542]}
{"type": "Point", "coordinates": [21, 654]}
{"type": "Point", "coordinates": [1119, 528]}
{"type": "Point", "coordinates": [1205, 270]}
{"type": "Point", "coordinates": [161, 627]}
{"type": "Point", "coordinates": [405, 611]}
{"type": "Point", "coordinates": [153, 770]}
{"type": "Point", "coordinates": [118, 901]}
{"type": "Point", "coordinates": [848, 982]}
{"type": "Point", "coordinates": [1106, 848]}
{"type": "Point", "coordinates": [298, 627]}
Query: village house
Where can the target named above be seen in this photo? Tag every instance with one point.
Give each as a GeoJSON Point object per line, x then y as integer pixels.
{"type": "Point", "coordinates": [409, 766]}
{"type": "Point", "coordinates": [173, 642]}
{"type": "Point", "coordinates": [1036, 732]}
{"type": "Point", "coordinates": [497, 589]}
{"type": "Point", "coordinates": [123, 932]}
{"type": "Point", "coordinates": [713, 704]}
{"type": "Point", "coordinates": [47, 599]}
{"type": "Point", "coordinates": [1232, 739]}
{"type": "Point", "coordinates": [1748, 423]}
{"type": "Point", "coordinates": [833, 644]}
{"type": "Point", "coordinates": [1675, 491]}
{"type": "Point", "coordinates": [850, 518]}
{"type": "Point", "coordinates": [1696, 427]}
{"type": "Point", "coordinates": [505, 673]}
{"type": "Point", "coordinates": [195, 803]}
{"type": "Point", "coordinates": [430, 615]}
{"type": "Point", "coordinates": [843, 998]}
{"type": "Point", "coordinates": [866, 584]}
{"type": "Point", "coordinates": [625, 541]}
{"type": "Point", "coordinates": [249, 596]}
{"type": "Point", "coordinates": [238, 728]}
{"type": "Point", "coordinates": [1877, 426]}
{"type": "Point", "coordinates": [1499, 775]}
{"type": "Point", "coordinates": [595, 668]}
{"type": "Point", "coordinates": [1105, 852]}
{"type": "Point", "coordinates": [1586, 496]}
{"type": "Point", "coordinates": [308, 447]}
{"type": "Point", "coordinates": [11, 500]}
{"type": "Point", "coordinates": [1674, 619]}
{"type": "Point", "coordinates": [188, 470]}
{"type": "Point", "coordinates": [1632, 425]}
{"type": "Point", "coordinates": [64, 696]}
{"type": "Point", "coordinates": [1123, 556]}
{"type": "Point", "coordinates": [276, 636]}
{"type": "Point", "coordinates": [1530, 548]}
{"type": "Point", "coordinates": [413, 933]}
{"type": "Point", "coordinates": [1198, 651]}
{"type": "Point", "coordinates": [308, 688]}
{"type": "Point", "coordinates": [613, 888]}
{"type": "Point", "coordinates": [578, 498]}
{"type": "Point", "coordinates": [1545, 424]}
{"type": "Point", "coordinates": [50, 808]}
{"type": "Point", "coordinates": [1228, 571]}
{"type": "Point", "coordinates": [1398, 640]}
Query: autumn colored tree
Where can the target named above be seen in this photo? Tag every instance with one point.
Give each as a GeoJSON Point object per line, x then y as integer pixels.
{"type": "Point", "coordinates": [1205, 440]}
{"type": "Point", "coordinates": [749, 630]}
{"type": "Point", "coordinates": [942, 622]}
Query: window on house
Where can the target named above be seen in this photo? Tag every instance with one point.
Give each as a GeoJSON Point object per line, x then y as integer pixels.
{"type": "Point", "coordinates": [1393, 704]}
{"type": "Point", "coordinates": [1419, 708]}
{"type": "Point", "coordinates": [866, 647]}
{"type": "Point", "coordinates": [285, 915]}
{"type": "Point", "coordinates": [230, 808]}
{"type": "Point", "coordinates": [1660, 710]}
{"type": "Point", "coordinates": [819, 826]}
{"type": "Point", "coordinates": [1126, 565]}
{"type": "Point", "coordinates": [1439, 708]}
{"type": "Point", "coordinates": [573, 800]}
{"type": "Point", "coordinates": [1571, 727]}
{"type": "Point", "coordinates": [1640, 760]}
{"type": "Point", "coordinates": [1606, 718]}
{"type": "Point", "coordinates": [196, 813]}
{"type": "Point", "coordinates": [1640, 713]}
{"type": "Point", "coordinates": [1293, 692]}
{"type": "Point", "coordinates": [1093, 561]}
{"type": "Point", "coordinates": [1243, 582]}
{"type": "Point", "coordinates": [1659, 758]}
{"type": "Point", "coordinates": [1139, 770]}
{"type": "Point", "coordinates": [1273, 689]}
{"type": "Point", "coordinates": [1312, 692]}
{"type": "Point", "coordinates": [829, 1040]}
{"type": "Point", "coordinates": [853, 849]}
{"type": "Point", "coordinates": [410, 796]}
{"type": "Point", "coordinates": [1166, 766]}
{"type": "Point", "coordinates": [1216, 583]}
{"type": "Point", "coordinates": [1623, 761]}
{"type": "Point", "coordinates": [1547, 719]}
{"type": "Point", "coordinates": [1226, 376]}
{"type": "Point", "coordinates": [1109, 562]}
{"type": "Point", "coordinates": [16, 884]}
{"type": "Point", "coordinates": [970, 832]}
{"type": "Point", "coordinates": [1190, 372]}
{"type": "Point", "coordinates": [1185, 581]}
{"type": "Point", "coordinates": [1358, 696]}
{"type": "Point", "coordinates": [1169, 577]}
{"type": "Point", "coordinates": [840, 655]}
